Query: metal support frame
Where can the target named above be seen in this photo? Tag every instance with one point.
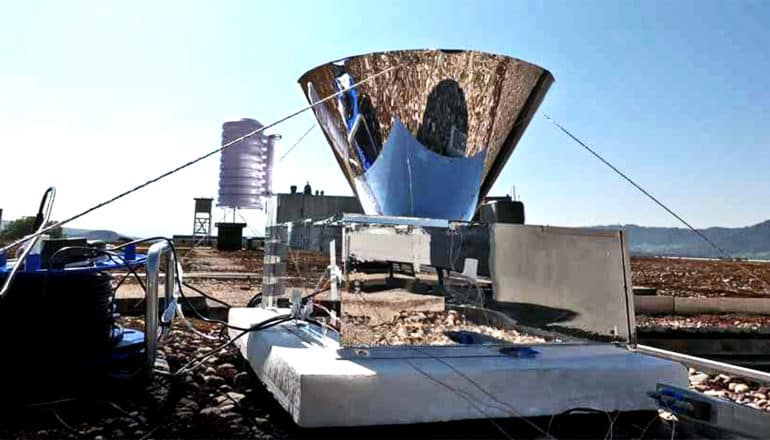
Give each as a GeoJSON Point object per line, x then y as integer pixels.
{"type": "Point", "coordinates": [156, 253]}
{"type": "Point", "coordinates": [274, 265]}
{"type": "Point", "coordinates": [712, 417]}
{"type": "Point", "coordinates": [706, 365]}
{"type": "Point", "coordinates": [202, 218]}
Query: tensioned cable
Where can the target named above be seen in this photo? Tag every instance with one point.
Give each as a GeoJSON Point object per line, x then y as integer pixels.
{"type": "Point", "coordinates": [724, 254]}
{"type": "Point", "coordinates": [296, 143]}
{"type": "Point", "coordinates": [637, 186]}
{"type": "Point", "coordinates": [194, 161]}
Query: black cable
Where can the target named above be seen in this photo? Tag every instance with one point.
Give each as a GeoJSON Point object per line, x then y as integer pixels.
{"type": "Point", "coordinates": [96, 252]}
{"type": "Point", "coordinates": [655, 418]}
{"type": "Point", "coordinates": [584, 410]}
{"type": "Point", "coordinates": [179, 283]}
{"type": "Point", "coordinates": [122, 280]}
{"type": "Point", "coordinates": [189, 303]}
{"type": "Point", "coordinates": [485, 392]}
{"type": "Point", "coordinates": [80, 305]}
{"type": "Point", "coordinates": [53, 404]}
{"type": "Point", "coordinates": [271, 322]}
{"type": "Point", "coordinates": [255, 300]}
{"type": "Point", "coordinates": [109, 254]}
{"type": "Point", "coordinates": [66, 425]}
{"type": "Point", "coordinates": [314, 293]}
{"type": "Point", "coordinates": [131, 271]}
{"type": "Point", "coordinates": [474, 402]}
{"type": "Point", "coordinates": [206, 295]}
{"type": "Point", "coordinates": [41, 218]}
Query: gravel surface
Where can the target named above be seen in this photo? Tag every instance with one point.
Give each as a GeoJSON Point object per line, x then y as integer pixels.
{"type": "Point", "coordinates": [423, 328]}
{"type": "Point", "coordinates": [670, 276]}
{"type": "Point", "coordinates": [303, 268]}
{"type": "Point", "coordinates": [220, 399]}
{"type": "Point", "coordinates": [731, 388]}
{"type": "Point", "coordinates": [223, 399]}
{"type": "Point", "coordinates": [715, 322]}
{"type": "Point", "coordinates": [234, 292]}
{"type": "Point", "coordinates": [702, 278]}
{"type": "Point", "coordinates": [206, 259]}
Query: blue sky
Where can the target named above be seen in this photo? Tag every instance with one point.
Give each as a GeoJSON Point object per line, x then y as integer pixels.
{"type": "Point", "coordinates": [97, 96]}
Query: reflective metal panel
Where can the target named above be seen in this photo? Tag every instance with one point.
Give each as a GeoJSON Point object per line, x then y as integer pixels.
{"type": "Point", "coordinates": [571, 279]}
{"type": "Point", "coordinates": [430, 137]}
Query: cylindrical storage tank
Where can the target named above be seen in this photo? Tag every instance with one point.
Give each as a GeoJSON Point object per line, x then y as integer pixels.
{"type": "Point", "coordinates": [246, 166]}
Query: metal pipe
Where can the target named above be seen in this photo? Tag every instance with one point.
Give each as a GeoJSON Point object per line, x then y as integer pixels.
{"type": "Point", "coordinates": [151, 312]}
{"type": "Point", "coordinates": [706, 365]}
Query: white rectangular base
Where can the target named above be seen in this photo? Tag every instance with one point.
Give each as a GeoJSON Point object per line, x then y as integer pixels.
{"type": "Point", "coordinates": [320, 388]}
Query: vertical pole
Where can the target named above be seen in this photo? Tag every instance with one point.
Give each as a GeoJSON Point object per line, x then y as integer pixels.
{"type": "Point", "coordinates": [335, 295]}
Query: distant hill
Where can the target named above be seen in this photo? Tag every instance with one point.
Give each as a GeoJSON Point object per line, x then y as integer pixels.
{"type": "Point", "coordinates": [102, 235]}
{"type": "Point", "coordinates": [747, 242]}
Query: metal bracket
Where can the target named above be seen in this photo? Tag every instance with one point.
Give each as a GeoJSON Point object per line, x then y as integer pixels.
{"type": "Point", "coordinates": [335, 274]}
{"type": "Point", "coordinates": [717, 414]}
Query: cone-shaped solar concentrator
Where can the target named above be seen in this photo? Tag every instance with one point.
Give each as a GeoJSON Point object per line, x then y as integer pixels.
{"type": "Point", "coordinates": [428, 138]}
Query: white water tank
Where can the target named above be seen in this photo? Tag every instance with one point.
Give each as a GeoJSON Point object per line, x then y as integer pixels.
{"type": "Point", "coordinates": [245, 171]}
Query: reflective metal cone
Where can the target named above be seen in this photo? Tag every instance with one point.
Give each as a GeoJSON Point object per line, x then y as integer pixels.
{"type": "Point", "coordinates": [429, 138]}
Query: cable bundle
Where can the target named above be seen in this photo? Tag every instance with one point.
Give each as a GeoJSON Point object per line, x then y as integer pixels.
{"type": "Point", "coordinates": [73, 309]}
{"type": "Point", "coordinates": [55, 330]}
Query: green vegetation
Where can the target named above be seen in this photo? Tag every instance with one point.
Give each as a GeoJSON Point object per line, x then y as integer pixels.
{"type": "Point", "coordinates": [23, 226]}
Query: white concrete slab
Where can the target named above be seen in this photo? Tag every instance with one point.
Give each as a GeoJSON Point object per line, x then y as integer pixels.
{"type": "Point", "coordinates": [319, 388]}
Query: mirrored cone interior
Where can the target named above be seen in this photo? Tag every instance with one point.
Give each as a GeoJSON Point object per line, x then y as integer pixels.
{"type": "Point", "coordinates": [428, 138]}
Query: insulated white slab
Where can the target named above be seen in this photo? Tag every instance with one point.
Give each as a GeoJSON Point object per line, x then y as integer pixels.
{"type": "Point", "coordinates": [416, 385]}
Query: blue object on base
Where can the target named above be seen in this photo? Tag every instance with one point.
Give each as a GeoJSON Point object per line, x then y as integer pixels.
{"type": "Point", "coordinates": [124, 355]}
{"type": "Point", "coordinates": [32, 263]}
{"type": "Point", "coordinates": [466, 338]}
{"type": "Point", "coordinates": [132, 259]}
{"type": "Point", "coordinates": [126, 360]}
{"type": "Point", "coordinates": [129, 344]}
{"type": "Point", "coordinates": [129, 252]}
{"type": "Point", "coordinates": [519, 352]}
